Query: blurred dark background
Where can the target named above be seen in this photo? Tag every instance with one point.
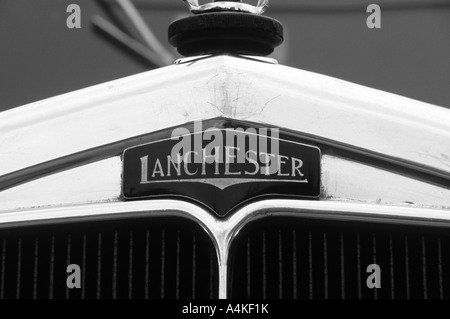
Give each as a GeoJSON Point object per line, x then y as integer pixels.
{"type": "Point", "coordinates": [410, 55]}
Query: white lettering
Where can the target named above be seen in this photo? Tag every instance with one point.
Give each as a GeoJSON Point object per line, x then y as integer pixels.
{"type": "Point", "coordinates": [229, 158]}
{"type": "Point", "coordinates": [296, 168]}
{"type": "Point", "coordinates": [280, 161]}
{"type": "Point", "coordinates": [252, 159]}
{"type": "Point", "coordinates": [187, 161]}
{"type": "Point", "coordinates": [206, 159]}
{"type": "Point", "coordinates": [158, 169]}
{"type": "Point", "coordinates": [175, 164]}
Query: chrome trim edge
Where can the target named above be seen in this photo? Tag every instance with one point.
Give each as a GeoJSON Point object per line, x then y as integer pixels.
{"type": "Point", "coordinates": [275, 95]}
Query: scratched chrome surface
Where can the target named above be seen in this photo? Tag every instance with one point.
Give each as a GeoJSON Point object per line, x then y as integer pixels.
{"type": "Point", "coordinates": [230, 87]}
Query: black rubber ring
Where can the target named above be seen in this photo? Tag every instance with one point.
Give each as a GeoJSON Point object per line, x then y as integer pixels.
{"type": "Point", "coordinates": [229, 32]}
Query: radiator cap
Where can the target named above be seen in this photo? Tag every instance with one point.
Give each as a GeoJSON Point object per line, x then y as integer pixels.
{"type": "Point", "coordinates": [226, 27]}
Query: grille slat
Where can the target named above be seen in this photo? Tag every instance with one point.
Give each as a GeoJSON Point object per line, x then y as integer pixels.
{"type": "Point", "coordinates": [374, 258]}
{"type": "Point", "coordinates": [130, 267]}
{"type": "Point", "coordinates": [69, 245]}
{"type": "Point", "coordinates": [147, 264]}
{"type": "Point", "coordinates": [424, 269]}
{"type": "Point", "coordinates": [358, 253]}
{"type": "Point", "coordinates": [99, 265]}
{"type": "Point", "coordinates": [83, 274]}
{"type": "Point", "coordinates": [280, 266]}
{"type": "Point", "coordinates": [441, 288]}
{"type": "Point", "coordinates": [391, 259]}
{"type": "Point", "coordinates": [2, 284]}
{"type": "Point", "coordinates": [194, 248]}
{"type": "Point", "coordinates": [163, 261]}
{"type": "Point", "coordinates": [19, 267]}
{"type": "Point", "coordinates": [407, 268]}
{"type": "Point", "coordinates": [178, 267]}
{"type": "Point", "coordinates": [248, 268]}
{"type": "Point", "coordinates": [52, 269]}
{"type": "Point", "coordinates": [341, 241]}
{"type": "Point", "coordinates": [294, 263]}
{"type": "Point", "coordinates": [35, 270]}
{"type": "Point", "coordinates": [114, 275]}
{"type": "Point", "coordinates": [310, 266]}
{"type": "Point", "coordinates": [264, 264]}
{"type": "Point", "coordinates": [325, 265]}
{"type": "Point", "coordinates": [321, 259]}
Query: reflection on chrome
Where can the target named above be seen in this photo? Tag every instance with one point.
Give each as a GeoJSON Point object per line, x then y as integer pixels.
{"type": "Point", "coordinates": [195, 7]}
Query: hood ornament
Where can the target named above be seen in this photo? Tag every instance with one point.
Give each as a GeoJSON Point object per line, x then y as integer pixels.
{"type": "Point", "coordinates": [231, 5]}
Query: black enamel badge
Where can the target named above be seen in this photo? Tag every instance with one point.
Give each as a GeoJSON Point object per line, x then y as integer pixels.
{"type": "Point", "coordinates": [221, 167]}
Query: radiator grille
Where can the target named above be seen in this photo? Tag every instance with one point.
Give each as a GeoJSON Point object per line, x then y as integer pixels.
{"type": "Point", "coordinates": [135, 258]}
{"type": "Point", "coordinates": [298, 258]}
